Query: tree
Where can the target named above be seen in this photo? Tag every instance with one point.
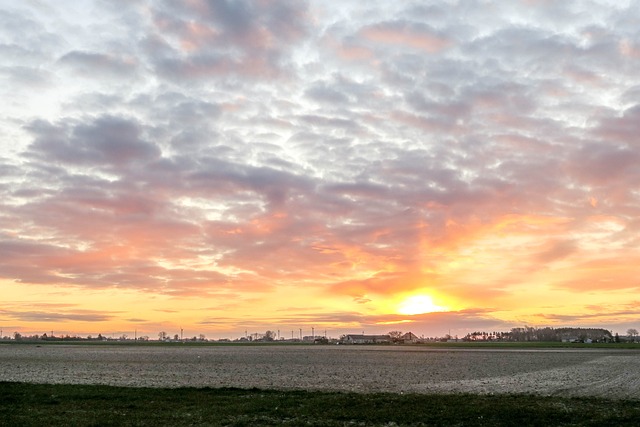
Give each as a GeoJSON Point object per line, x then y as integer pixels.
{"type": "Point", "coordinates": [17, 336]}
{"type": "Point", "coordinates": [162, 335]}
{"type": "Point", "coordinates": [395, 335]}
{"type": "Point", "coordinates": [269, 336]}
{"type": "Point", "coordinates": [633, 333]}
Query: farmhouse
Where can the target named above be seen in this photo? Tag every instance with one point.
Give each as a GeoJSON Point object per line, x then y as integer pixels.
{"type": "Point", "coordinates": [366, 339]}
{"type": "Point", "coordinates": [409, 337]}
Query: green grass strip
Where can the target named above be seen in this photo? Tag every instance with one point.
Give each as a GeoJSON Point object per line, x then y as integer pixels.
{"type": "Point", "coordinates": [23, 404]}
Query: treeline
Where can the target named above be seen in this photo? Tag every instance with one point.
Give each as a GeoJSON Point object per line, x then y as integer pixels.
{"type": "Point", "coordinates": [17, 336]}
{"type": "Point", "coordinates": [546, 334]}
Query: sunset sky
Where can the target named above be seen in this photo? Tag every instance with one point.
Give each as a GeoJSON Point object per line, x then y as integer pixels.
{"type": "Point", "coordinates": [231, 166]}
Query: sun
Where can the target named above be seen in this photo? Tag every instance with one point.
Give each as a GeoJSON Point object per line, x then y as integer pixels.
{"type": "Point", "coordinates": [419, 304]}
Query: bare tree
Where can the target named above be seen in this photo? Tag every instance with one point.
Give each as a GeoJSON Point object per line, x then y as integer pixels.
{"type": "Point", "coordinates": [162, 335]}
{"type": "Point", "coordinates": [395, 335]}
{"type": "Point", "coordinates": [633, 333]}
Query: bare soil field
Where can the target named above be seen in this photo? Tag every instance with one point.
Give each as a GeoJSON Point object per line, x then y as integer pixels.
{"type": "Point", "coordinates": [402, 369]}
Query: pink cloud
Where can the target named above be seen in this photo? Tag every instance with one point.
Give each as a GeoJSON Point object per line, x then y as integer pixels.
{"type": "Point", "coordinates": [629, 49]}
{"type": "Point", "coordinates": [411, 36]}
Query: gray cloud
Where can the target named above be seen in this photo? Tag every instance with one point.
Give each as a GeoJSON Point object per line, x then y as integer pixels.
{"type": "Point", "coordinates": [106, 141]}
{"type": "Point", "coordinates": [91, 65]}
{"type": "Point", "coordinates": [226, 38]}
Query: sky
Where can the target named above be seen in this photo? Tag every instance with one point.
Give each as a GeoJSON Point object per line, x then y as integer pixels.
{"type": "Point", "coordinates": [224, 167]}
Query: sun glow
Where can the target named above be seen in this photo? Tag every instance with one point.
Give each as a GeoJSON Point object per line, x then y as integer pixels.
{"type": "Point", "coordinates": [419, 304]}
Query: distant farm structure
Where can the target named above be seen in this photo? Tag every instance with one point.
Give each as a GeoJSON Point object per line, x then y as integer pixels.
{"type": "Point", "coordinates": [518, 334]}
{"type": "Point", "coordinates": [365, 339]}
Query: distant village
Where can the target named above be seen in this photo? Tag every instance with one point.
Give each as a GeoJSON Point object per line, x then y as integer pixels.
{"type": "Point", "coordinates": [524, 334]}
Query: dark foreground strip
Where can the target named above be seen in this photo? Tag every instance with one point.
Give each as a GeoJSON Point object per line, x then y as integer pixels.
{"type": "Point", "coordinates": [92, 405]}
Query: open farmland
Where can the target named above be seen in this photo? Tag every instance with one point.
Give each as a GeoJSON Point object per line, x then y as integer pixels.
{"type": "Point", "coordinates": [561, 372]}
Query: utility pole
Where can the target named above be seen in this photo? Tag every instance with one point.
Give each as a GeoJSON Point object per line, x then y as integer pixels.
{"type": "Point", "coordinates": [313, 333]}
{"type": "Point", "coordinates": [181, 330]}
{"type": "Point", "coordinates": [300, 334]}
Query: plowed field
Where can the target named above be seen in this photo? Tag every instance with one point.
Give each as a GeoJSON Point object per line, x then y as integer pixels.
{"type": "Point", "coordinates": [566, 372]}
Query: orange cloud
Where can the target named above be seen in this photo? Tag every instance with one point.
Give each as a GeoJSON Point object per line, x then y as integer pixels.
{"type": "Point", "coordinates": [602, 274]}
{"type": "Point", "coordinates": [386, 283]}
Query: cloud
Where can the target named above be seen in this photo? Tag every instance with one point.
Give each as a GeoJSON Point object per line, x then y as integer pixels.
{"type": "Point", "coordinates": [224, 39]}
{"type": "Point", "coordinates": [555, 251]}
{"type": "Point", "coordinates": [603, 164]}
{"type": "Point", "coordinates": [597, 314]}
{"type": "Point", "coordinates": [90, 64]}
{"type": "Point", "coordinates": [106, 141]}
{"type": "Point", "coordinates": [403, 34]}
{"type": "Point", "coordinates": [77, 315]}
{"type": "Point", "coordinates": [324, 93]}
{"type": "Point", "coordinates": [604, 274]}
{"type": "Point", "coordinates": [354, 150]}
{"type": "Point", "coordinates": [622, 129]}
{"type": "Point", "coordinates": [27, 77]}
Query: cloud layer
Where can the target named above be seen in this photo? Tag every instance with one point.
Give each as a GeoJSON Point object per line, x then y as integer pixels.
{"type": "Point", "coordinates": [484, 153]}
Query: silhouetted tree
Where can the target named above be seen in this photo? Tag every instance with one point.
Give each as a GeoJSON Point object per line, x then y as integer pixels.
{"type": "Point", "coordinates": [395, 335]}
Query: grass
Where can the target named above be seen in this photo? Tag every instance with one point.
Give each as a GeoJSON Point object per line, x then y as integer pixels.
{"type": "Point", "coordinates": [24, 404]}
